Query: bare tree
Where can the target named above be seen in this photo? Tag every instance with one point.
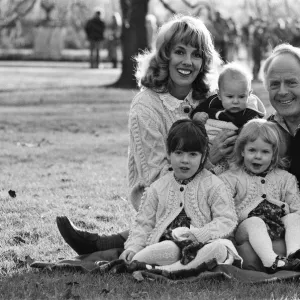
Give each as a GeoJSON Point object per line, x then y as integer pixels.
{"type": "Point", "coordinates": [134, 38]}
{"type": "Point", "coordinates": [16, 10]}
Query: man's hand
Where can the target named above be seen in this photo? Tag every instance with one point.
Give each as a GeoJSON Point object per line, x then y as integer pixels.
{"type": "Point", "coordinates": [127, 255]}
{"type": "Point", "coordinates": [222, 145]}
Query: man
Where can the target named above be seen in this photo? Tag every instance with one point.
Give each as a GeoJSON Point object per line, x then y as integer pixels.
{"type": "Point", "coordinates": [94, 29]}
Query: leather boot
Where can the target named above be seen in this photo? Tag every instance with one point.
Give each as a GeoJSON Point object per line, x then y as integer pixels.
{"type": "Point", "coordinates": [84, 242]}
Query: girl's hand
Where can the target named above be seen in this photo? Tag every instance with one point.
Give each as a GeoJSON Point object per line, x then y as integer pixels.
{"type": "Point", "coordinates": [182, 233]}
{"type": "Point", "coordinates": [222, 145]}
{"type": "Point", "coordinates": [127, 255]}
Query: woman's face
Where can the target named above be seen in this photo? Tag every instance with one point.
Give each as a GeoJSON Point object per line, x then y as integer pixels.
{"type": "Point", "coordinates": [184, 66]}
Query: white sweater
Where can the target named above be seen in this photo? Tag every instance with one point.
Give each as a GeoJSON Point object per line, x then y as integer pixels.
{"type": "Point", "coordinates": [204, 199]}
{"type": "Point", "coordinates": [150, 118]}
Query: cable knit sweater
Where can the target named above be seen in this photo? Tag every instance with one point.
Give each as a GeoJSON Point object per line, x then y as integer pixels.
{"type": "Point", "coordinates": [278, 187]}
{"type": "Point", "coordinates": [204, 199]}
{"type": "Point", "coordinates": [150, 118]}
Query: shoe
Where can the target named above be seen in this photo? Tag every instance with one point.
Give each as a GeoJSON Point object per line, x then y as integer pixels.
{"type": "Point", "coordinates": [289, 265]}
{"type": "Point", "coordinates": [296, 254]}
{"type": "Point", "coordinates": [83, 242]}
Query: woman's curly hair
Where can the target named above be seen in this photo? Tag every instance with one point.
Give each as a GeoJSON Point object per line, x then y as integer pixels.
{"type": "Point", "coordinates": [153, 67]}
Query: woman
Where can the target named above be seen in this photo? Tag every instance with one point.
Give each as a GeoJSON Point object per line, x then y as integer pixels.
{"type": "Point", "coordinates": [174, 79]}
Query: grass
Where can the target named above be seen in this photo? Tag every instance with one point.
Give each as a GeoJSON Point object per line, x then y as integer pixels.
{"type": "Point", "coordinates": [63, 151]}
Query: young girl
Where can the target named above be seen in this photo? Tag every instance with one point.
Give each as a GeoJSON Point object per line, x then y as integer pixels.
{"type": "Point", "coordinates": [266, 197]}
{"type": "Point", "coordinates": [184, 209]}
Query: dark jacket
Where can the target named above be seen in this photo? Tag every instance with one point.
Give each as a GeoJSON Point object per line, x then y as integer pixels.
{"type": "Point", "coordinates": [213, 105]}
{"type": "Point", "coordinates": [94, 29]}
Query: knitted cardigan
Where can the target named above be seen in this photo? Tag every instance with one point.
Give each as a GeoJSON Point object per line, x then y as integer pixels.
{"type": "Point", "coordinates": [278, 187]}
{"type": "Point", "coordinates": [150, 118]}
{"type": "Point", "coordinates": [204, 199]}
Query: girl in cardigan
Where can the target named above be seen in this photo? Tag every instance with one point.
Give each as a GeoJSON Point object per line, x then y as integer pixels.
{"type": "Point", "coordinates": [267, 198]}
{"type": "Point", "coordinates": [184, 210]}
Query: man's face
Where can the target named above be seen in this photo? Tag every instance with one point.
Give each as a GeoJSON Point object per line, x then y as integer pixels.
{"type": "Point", "coordinates": [283, 84]}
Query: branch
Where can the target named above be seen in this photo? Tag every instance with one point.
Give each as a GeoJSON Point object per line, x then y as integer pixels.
{"type": "Point", "coordinates": [168, 7]}
{"type": "Point", "coordinates": [17, 13]}
{"type": "Point", "coordinates": [187, 3]}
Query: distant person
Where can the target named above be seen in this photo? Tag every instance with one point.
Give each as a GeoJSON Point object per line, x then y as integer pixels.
{"type": "Point", "coordinates": [114, 39]}
{"type": "Point", "coordinates": [94, 29]}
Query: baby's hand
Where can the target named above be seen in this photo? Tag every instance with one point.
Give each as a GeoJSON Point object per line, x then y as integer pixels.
{"type": "Point", "coordinates": [201, 117]}
{"type": "Point", "coordinates": [182, 233]}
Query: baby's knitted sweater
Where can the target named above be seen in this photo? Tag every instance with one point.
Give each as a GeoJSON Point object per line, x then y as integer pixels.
{"type": "Point", "coordinates": [204, 199]}
{"type": "Point", "coordinates": [150, 118]}
{"type": "Point", "coordinates": [278, 187]}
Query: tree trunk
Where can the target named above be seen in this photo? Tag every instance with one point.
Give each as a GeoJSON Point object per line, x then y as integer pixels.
{"type": "Point", "coordinates": [134, 39]}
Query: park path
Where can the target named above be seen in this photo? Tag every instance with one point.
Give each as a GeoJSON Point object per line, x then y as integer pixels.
{"type": "Point", "coordinates": [32, 75]}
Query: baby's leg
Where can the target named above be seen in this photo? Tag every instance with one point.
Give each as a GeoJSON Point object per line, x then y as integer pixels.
{"type": "Point", "coordinates": [163, 253]}
{"type": "Point", "coordinates": [208, 252]}
{"type": "Point", "coordinates": [292, 232]}
{"type": "Point", "coordinates": [255, 231]}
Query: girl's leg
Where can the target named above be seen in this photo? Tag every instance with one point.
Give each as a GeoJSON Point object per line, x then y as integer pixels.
{"type": "Point", "coordinates": [255, 231]}
{"type": "Point", "coordinates": [292, 233]}
{"type": "Point", "coordinates": [163, 253]}
{"type": "Point", "coordinates": [208, 252]}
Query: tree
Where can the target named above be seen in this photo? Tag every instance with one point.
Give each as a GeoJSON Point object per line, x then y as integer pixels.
{"type": "Point", "coordinates": [133, 39]}
{"type": "Point", "coordinates": [12, 11]}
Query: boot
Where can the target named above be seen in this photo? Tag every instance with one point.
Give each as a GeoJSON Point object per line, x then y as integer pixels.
{"type": "Point", "coordinates": [84, 242]}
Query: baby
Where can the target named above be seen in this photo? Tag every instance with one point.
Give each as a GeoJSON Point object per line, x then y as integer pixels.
{"type": "Point", "coordinates": [232, 107]}
{"type": "Point", "coordinates": [233, 102]}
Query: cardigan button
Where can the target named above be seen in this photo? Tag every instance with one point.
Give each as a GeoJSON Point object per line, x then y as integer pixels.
{"type": "Point", "coordinates": [263, 181]}
{"type": "Point", "coordinates": [181, 189]}
{"type": "Point", "coordinates": [181, 204]}
{"type": "Point", "coordinates": [170, 169]}
{"type": "Point", "coordinates": [264, 196]}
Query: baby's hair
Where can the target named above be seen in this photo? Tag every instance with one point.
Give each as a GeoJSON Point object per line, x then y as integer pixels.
{"type": "Point", "coordinates": [152, 69]}
{"type": "Point", "coordinates": [269, 133]}
{"type": "Point", "coordinates": [236, 71]}
{"type": "Point", "coordinates": [188, 136]}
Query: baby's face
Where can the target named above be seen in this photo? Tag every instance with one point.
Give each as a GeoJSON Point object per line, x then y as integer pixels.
{"type": "Point", "coordinates": [234, 93]}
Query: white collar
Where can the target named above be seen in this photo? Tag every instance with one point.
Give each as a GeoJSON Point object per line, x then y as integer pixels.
{"type": "Point", "coordinates": [172, 103]}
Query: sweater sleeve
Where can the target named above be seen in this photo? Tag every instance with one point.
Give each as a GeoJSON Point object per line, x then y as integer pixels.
{"type": "Point", "coordinates": [291, 194]}
{"type": "Point", "coordinates": [223, 215]}
{"type": "Point", "coordinates": [147, 159]}
{"type": "Point", "coordinates": [144, 222]}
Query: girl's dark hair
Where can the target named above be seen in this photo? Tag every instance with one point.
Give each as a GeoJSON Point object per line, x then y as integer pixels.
{"type": "Point", "coordinates": [188, 135]}
{"type": "Point", "coordinates": [153, 67]}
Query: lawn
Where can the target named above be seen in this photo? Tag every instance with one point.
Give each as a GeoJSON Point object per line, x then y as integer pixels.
{"type": "Point", "coordinates": [63, 152]}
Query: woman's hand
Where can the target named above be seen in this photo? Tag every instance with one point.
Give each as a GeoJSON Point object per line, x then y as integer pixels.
{"type": "Point", "coordinates": [127, 255]}
{"type": "Point", "coordinates": [222, 145]}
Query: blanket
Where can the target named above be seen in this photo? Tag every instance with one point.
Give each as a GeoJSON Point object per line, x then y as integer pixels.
{"type": "Point", "coordinates": [94, 263]}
